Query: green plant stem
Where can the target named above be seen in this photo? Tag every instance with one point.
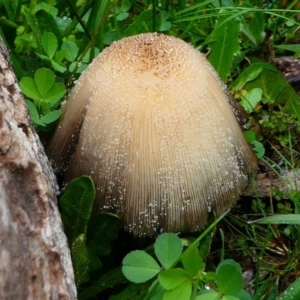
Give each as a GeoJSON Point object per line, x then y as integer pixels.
{"type": "Point", "coordinates": [195, 288]}
{"type": "Point", "coordinates": [79, 19]}
{"type": "Point", "coordinates": [293, 4]}
{"type": "Point", "coordinates": [91, 41]}
{"type": "Point", "coordinates": [206, 231]}
{"type": "Point", "coordinates": [223, 244]}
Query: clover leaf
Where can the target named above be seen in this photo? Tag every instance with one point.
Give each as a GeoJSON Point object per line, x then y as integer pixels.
{"type": "Point", "coordinates": [50, 46]}
{"type": "Point", "coordinates": [46, 95]}
{"type": "Point", "coordinates": [43, 87]}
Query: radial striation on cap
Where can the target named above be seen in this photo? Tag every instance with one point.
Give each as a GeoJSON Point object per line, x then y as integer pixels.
{"type": "Point", "coordinates": [150, 121]}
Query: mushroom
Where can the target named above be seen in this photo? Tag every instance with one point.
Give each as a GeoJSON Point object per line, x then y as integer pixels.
{"type": "Point", "coordinates": [151, 123]}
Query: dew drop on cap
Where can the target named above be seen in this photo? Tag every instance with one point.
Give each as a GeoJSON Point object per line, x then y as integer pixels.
{"type": "Point", "coordinates": [150, 122]}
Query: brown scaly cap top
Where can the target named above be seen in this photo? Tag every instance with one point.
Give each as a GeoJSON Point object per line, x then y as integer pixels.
{"type": "Point", "coordinates": [156, 133]}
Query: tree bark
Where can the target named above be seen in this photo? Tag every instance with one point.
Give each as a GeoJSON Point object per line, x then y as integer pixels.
{"type": "Point", "coordinates": [35, 260]}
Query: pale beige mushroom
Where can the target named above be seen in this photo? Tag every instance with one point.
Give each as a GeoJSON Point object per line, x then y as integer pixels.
{"type": "Point", "coordinates": [157, 135]}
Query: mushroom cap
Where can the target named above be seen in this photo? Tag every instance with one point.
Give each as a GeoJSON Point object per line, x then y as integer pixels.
{"type": "Point", "coordinates": [157, 134]}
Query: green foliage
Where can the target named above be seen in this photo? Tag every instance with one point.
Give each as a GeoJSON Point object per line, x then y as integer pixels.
{"type": "Point", "coordinates": [51, 44]}
{"type": "Point", "coordinates": [229, 277]}
{"type": "Point", "coordinates": [255, 29]}
{"type": "Point", "coordinates": [293, 48]}
{"type": "Point", "coordinates": [167, 249]}
{"type": "Point", "coordinates": [139, 267]}
{"type": "Point", "coordinates": [252, 138]}
{"type": "Point", "coordinates": [131, 292]}
{"type": "Point", "coordinates": [254, 88]}
{"type": "Point", "coordinates": [258, 75]}
{"type": "Point", "coordinates": [183, 283]}
{"type": "Point", "coordinates": [143, 23]}
{"type": "Point", "coordinates": [258, 206]}
{"type": "Point", "coordinates": [279, 219]}
{"type": "Point", "coordinates": [292, 292]}
{"type": "Point", "coordinates": [251, 98]}
{"type": "Point", "coordinates": [46, 95]}
{"type": "Point", "coordinates": [224, 45]}
{"type": "Point", "coordinates": [192, 261]}
{"type": "Point", "coordinates": [90, 236]}
{"type": "Point", "coordinates": [76, 206]}
{"type": "Point", "coordinates": [67, 37]}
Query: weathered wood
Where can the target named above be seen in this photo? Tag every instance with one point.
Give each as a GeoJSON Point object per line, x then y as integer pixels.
{"type": "Point", "coordinates": [35, 259]}
{"type": "Point", "coordinates": [263, 185]}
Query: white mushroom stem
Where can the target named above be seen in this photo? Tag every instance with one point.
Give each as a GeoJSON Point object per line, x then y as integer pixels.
{"type": "Point", "coordinates": [158, 135]}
